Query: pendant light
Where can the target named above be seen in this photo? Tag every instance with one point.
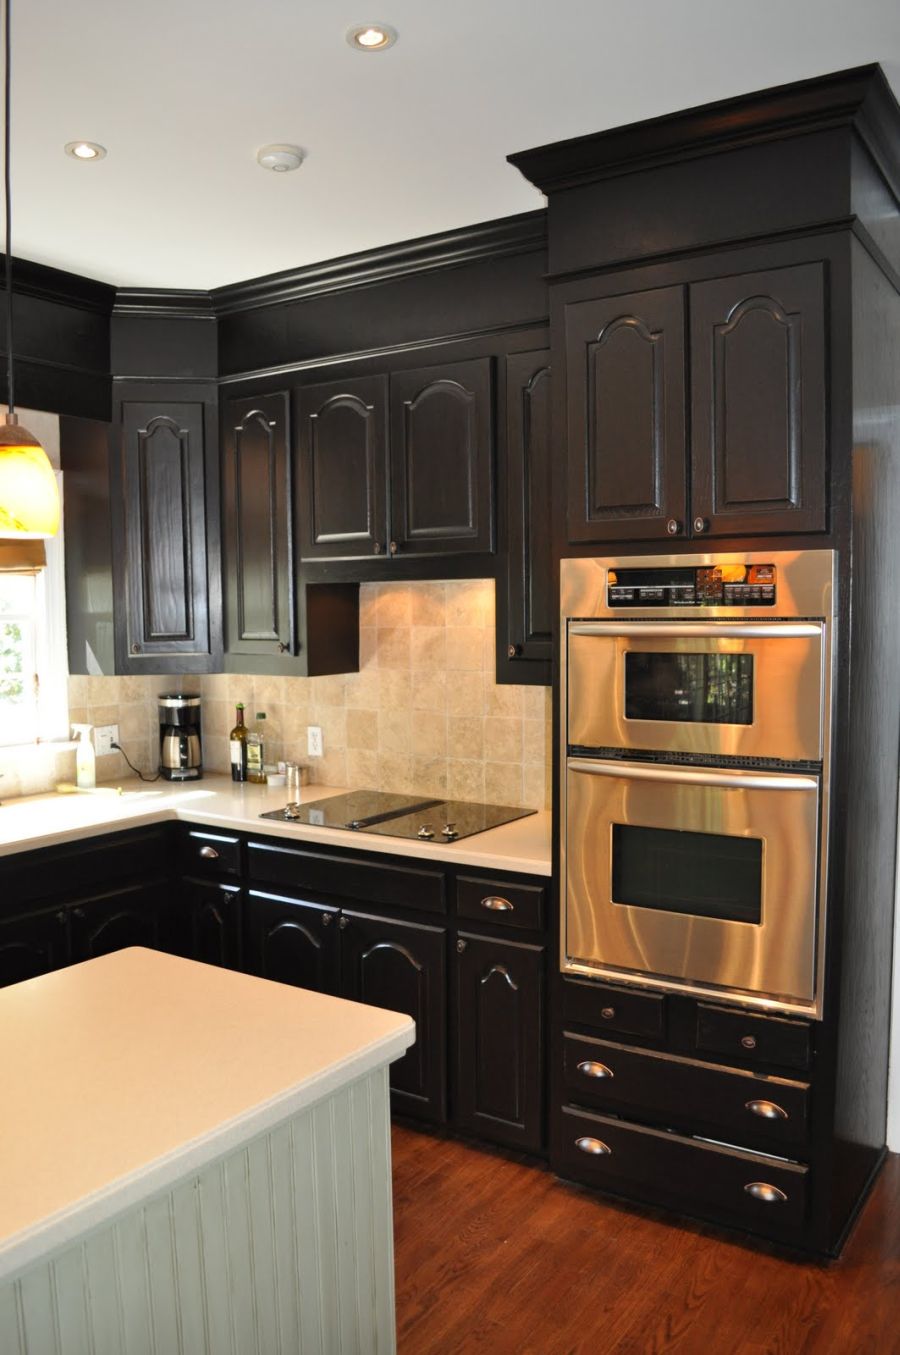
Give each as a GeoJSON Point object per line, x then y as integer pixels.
{"type": "Point", "coordinates": [29, 499]}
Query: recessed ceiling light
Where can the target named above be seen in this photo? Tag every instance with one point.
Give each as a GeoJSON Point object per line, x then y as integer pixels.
{"type": "Point", "coordinates": [281, 159]}
{"type": "Point", "coordinates": [85, 150]}
{"type": "Point", "coordinates": [371, 37]}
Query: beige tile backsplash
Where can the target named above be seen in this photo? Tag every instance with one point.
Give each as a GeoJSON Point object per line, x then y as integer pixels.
{"type": "Point", "coordinates": [423, 713]}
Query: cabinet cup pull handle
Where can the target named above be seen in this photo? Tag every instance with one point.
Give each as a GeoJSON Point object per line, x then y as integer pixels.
{"type": "Point", "coordinates": [767, 1110]}
{"type": "Point", "coordinates": [673, 526]}
{"type": "Point", "coordinates": [209, 853]}
{"type": "Point", "coordinates": [761, 1190]}
{"type": "Point", "coordinates": [495, 903]}
{"type": "Point", "coordinates": [590, 1068]}
{"type": "Point", "coordinates": [597, 1147]}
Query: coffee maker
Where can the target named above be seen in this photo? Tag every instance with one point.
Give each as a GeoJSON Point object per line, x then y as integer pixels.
{"type": "Point", "coordinates": [179, 737]}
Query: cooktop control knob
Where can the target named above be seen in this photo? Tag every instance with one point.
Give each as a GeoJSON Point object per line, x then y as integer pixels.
{"type": "Point", "coordinates": [425, 831]}
{"type": "Point", "coordinates": [449, 831]}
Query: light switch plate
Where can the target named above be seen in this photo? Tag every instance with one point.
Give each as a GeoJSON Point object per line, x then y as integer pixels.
{"type": "Point", "coordinates": [314, 740]}
{"type": "Point", "coordinates": [104, 738]}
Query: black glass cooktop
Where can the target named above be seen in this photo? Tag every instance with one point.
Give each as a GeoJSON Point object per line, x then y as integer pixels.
{"type": "Point", "coordinates": [416, 816]}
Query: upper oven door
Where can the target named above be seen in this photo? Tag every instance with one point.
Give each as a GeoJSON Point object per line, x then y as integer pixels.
{"type": "Point", "coordinates": [748, 690]}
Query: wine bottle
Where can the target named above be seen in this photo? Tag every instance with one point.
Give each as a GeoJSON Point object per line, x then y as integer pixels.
{"type": "Point", "coordinates": [238, 746]}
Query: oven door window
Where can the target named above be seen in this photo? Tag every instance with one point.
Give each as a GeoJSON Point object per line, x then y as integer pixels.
{"type": "Point", "coordinates": [698, 874]}
{"type": "Point", "coordinates": [712, 689]}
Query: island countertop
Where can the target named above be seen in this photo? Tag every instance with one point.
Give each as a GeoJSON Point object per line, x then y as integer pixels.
{"type": "Point", "coordinates": [44, 820]}
{"type": "Point", "coordinates": [126, 1073]}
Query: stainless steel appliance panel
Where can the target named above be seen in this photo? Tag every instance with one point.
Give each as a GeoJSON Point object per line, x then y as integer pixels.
{"type": "Point", "coordinates": [756, 935]}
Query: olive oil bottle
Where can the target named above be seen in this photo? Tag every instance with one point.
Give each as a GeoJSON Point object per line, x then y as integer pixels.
{"type": "Point", "coordinates": [256, 749]}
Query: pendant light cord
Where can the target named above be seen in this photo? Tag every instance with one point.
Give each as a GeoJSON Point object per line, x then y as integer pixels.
{"type": "Point", "coordinates": [10, 394]}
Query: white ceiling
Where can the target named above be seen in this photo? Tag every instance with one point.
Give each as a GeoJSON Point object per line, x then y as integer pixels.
{"type": "Point", "coordinates": [399, 144]}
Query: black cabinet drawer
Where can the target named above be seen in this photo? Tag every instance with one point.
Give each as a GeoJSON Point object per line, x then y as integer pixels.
{"type": "Point", "coordinates": [752, 1038]}
{"type": "Point", "coordinates": [763, 1193]}
{"type": "Point", "coordinates": [630, 1011]}
{"type": "Point", "coordinates": [765, 1112]}
{"type": "Point", "coordinates": [93, 864]}
{"type": "Point", "coordinates": [367, 881]}
{"type": "Point", "coordinates": [206, 853]}
{"type": "Point", "coordinates": [513, 905]}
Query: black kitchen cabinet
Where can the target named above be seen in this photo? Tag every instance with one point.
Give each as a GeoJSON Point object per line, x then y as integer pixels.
{"type": "Point", "coordinates": [499, 1075]}
{"type": "Point", "coordinates": [756, 455]}
{"type": "Point", "coordinates": [441, 456]}
{"type": "Point", "coordinates": [211, 913]}
{"type": "Point", "coordinates": [402, 966]}
{"type": "Point", "coordinates": [257, 527]}
{"type": "Point", "coordinates": [31, 945]}
{"type": "Point", "coordinates": [341, 507]}
{"type": "Point", "coordinates": [165, 596]}
{"type": "Point", "coordinates": [525, 623]}
{"type": "Point", "coordinates": [292, 941]}
{"type": "Point", "coordinates": [136, 915]}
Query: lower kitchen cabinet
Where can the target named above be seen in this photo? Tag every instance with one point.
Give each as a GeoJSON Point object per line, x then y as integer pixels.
{"type": "Point", "coordinates": [499, 1040]}
{"type": "Point", "coordinates": [211, 914]}
{"type": "Point", "coordinates": [32, 945]}
{"type": "Point", "coordinates": [138, 915]}
{"type": "Point", "coordinates": [292, 941]}
{"type": "Point", "coordinates": [402, 966]}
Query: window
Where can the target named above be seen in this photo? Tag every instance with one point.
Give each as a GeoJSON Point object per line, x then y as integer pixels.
{"type": "Point", "coordinates": [33, 659]}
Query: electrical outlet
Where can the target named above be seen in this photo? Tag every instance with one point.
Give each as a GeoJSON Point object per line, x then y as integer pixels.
{"type": "Point", "coordinates": [314, 745]}
{"type": "Point", "coordinates": [104, 738]}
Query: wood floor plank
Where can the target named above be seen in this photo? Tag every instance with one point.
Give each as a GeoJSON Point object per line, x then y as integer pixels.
{"type": "Point", "coordinates": [494, 1254]}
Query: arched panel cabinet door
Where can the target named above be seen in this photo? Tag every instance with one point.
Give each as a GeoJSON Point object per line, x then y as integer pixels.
{"type": "Point", "coordinates": [401, 966]}
{"type": "Point", "coordinates": [342, 482]}
{"type": "Point", "coordinates": [292, 941]}
{"type": "Point", "coordinates": [214, 917]}
{"type": "Point", "coordinates": [30, 946]}
{"type": "Point", "coordinates": [442, 458]}
{"type": "Point", "coordinates": [525, 622]}
{"type": "Point", "coordinates": [138, 915]}
{"type": "Point", "coordinates": [759, 409]}
{"type": "Point", "coordinates": [625, 416]}
{"type": "Point", "coordinates": [499, 1044]}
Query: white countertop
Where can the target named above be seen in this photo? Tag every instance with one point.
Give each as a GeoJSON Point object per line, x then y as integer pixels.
{"type": "Point", "coordinates": [44, 820]}
{"type": "Point", "coordinates": [126, 1073]}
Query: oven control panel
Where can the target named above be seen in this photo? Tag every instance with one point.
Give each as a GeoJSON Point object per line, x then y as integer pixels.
{"type": "Point", "coordinates": [726, 585]}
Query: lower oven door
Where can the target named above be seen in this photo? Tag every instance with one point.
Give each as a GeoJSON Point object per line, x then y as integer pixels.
{"type": "Point", "coordinates": [698, 878]}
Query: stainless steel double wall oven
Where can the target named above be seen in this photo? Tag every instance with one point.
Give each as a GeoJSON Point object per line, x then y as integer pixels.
{"type": "Point", "coordinates": [695, 767]}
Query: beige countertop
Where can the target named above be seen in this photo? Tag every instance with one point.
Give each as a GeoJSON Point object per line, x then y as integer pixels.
{"type": "Point", "coordinates": [126, 1073]}
{"type": "Point", "coordinates": [45, 820]}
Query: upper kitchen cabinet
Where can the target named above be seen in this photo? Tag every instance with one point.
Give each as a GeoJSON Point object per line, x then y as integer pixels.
{"type": "Point", "coordinates": [442, 459]}
{"type": "Point", "coordinates": [752, 375]}
{"type": "Point", "coordinates": [256, 527]}
{"type": "Point", "coordinates": [341, 505]}
{"type": "Point", "coordinates": [163, 622]}
{"type": "Point", "coordinates": [274, 621]}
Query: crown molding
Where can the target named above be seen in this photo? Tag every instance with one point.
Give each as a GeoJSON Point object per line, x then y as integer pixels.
{"type": "Point", "coordinates": [186, 304]}
{"type": "Point", "coordinates": [449, 249]}
{"type": "Point", "coordinates": [55, 284]}
{"type": "Point", "coordinates": [859, 98]}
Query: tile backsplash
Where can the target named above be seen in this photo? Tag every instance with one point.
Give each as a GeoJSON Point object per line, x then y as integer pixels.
{"type": "Point", "coordinates": [423, 714]}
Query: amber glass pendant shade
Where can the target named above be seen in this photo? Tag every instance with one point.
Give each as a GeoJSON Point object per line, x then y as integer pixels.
{"type": "Point", "coordinates": [29, 498]}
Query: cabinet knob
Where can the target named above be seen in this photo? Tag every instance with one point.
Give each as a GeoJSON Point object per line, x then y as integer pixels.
{"type": "Point", "coordinates": [767, 1110]}
{"type": "Point", "coordinates": [61, 917]}
{"type": "Point", "coordinates": [209, 853]}
{"type": "Point", "coordinates": [461, 946]}
{"type": "Point", "coordinates": [701, 525]}
{"type": "Point", "coordinates": [79, 913]}
{"type": "Point", "coordinates": [607, 1013]}
{"type": "Point", "coordinates": [343, 922]}
{"type": "Point", "coordinates": [761, 1190]}
{"type": "Point", "coordinates": [282, 647]}
{"type": "Point", "coordinates": [748, 1041]}
{"type": "Point", "coordinates": [393, 548]}
{"type": "Point", "coordinates": [673, 526]}
{"type": "Point", "coordinates": [135, 648]}
{"type": "Point", "coordinates": [377, 548]}
{"type": "Point", "coordinates": [326, 919]}
{"type": "Point", "coordinates": [590, 1068]}
{"type": "Point", "coordinates": [513, 651]}
{"type": "Point", "coordinates": [496, 903]}
{"type": "Point", "coordinates": [587, 1144]}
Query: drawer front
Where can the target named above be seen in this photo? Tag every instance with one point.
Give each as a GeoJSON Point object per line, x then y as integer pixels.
{"type": "Point", "coordinates": [367, 881]}
{"type": "Point", "coordinates": [92, 865]}
{"type": "Point", "coordinates": [767, 1112]}
{"type": "Point", "coordinates": [736, 1186]}
{"type": "Point", "coordinates": [753, 1039]}
{"type": "Point", "coordinates": [628, 1011]}
{"type": "Point", "coordinates": [204, 854]}
{"type": "Point", "coordinates": [511, 905]}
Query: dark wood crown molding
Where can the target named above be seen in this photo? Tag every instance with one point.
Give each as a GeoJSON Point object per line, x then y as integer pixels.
{"type": "Point", "coordinates": [450, 249]}
{"type": "Point", "coordinates": [54, 284]}
{"type": "Point", "coordinates": [164, 303]}
{"type": "Point", "coordinates": [860, 98]}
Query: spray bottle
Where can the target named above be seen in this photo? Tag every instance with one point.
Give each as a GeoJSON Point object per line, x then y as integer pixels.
{"type": "Point", "coordinates": [85, 762]}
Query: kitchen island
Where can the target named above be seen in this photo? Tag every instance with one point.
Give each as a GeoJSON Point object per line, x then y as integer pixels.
{"type": "Point", "coordinates": [195, 1160]}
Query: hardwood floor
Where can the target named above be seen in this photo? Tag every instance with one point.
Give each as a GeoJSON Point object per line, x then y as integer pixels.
{"type": "Point", "coordinates": [494, 1254]}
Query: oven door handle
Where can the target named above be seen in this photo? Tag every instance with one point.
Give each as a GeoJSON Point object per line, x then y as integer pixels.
{"type": "Point", "coordinates": [690, 776]}
{"type": "Point", "coordinates": [696, 630]}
